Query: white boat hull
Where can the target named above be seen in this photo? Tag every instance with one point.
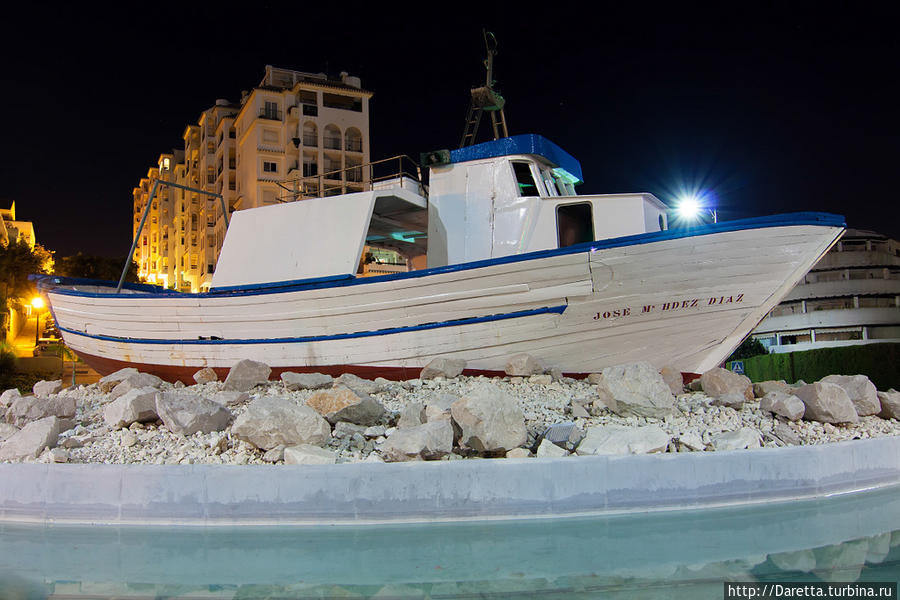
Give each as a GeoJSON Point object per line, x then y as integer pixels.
{"type": "Point", "coordinates": [683, 300]}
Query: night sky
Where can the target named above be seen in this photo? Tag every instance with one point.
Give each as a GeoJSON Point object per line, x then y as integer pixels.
{"type": "Point", "coordinates": [767, 111]}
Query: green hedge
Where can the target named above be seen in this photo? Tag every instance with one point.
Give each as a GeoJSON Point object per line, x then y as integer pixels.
{"type": "Point", "coordinates": [880, 362]}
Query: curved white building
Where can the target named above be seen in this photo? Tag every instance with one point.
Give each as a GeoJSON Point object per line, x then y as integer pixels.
{"type": "Point", "coordinates": [851, 296]}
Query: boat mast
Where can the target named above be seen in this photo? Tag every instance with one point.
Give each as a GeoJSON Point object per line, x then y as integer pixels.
{"type": "Point", "coordinates": [485, 98]}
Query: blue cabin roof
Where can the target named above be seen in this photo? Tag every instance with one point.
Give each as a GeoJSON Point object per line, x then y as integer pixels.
{"type": "Point", "coordinates": [528, 143]}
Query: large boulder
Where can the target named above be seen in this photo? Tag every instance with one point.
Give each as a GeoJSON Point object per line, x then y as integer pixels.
{"type": "Point", "coordinates": [863, 393]}
{"type": "Point", "coordinates": [187, 413]}
{"type": "Point", "coordinates": [305, 381]}
{"type": "Point", "coordinates": [308, 454]}
{"type": "Point", "coordinates": [616, 439]}
{"type": "Point", "coordinates": [635, 389]}
{"type": "Point", "coordinates": [43, 389]}
{"type": "Point", "coordinates": [134, 406]}
{"type": "Point", "coordinates": [429, 441]}
{"type": "Point", "coordinates": [547, 449]}
{"type": "Point", "coordinates": [490, 420]}
{"type": "Point", "coordinates": [437, 407]}
{"type": "Point", "coordinates": [890, 404]}
{"type": "Point", "coordinates": [782, 403]}
{"type": "Point", "coordinates": [135, 381]}
{"type": "Point", "coordinates": [108, 382]}
{"type": "Point", "coordinates": [826, 403]}
{"type": "Point", "coordinates": [270, 422]}
{"type": "Point", "coordinates": [443, 367]}
{"type": "Point", "coordinates": [246, 375]}
{"type": "Point", "coordinates": [31, 408]}
{"type": "Point", "coordinates": [523, 365]}
{"type": "Point", "coordinates": [718, 382]}
{"type": "Point", "coordinates": [341, 403]}
{"type": "Point", "coordinates": [31, 440]}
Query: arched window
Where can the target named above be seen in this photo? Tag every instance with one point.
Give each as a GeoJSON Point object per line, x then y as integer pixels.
{"type": "Point", "coordinates": [332, 137]}
{"type": "Point", "coordinates": [353, 140]}
{"type": "Point", "coordinates": [310, 135]}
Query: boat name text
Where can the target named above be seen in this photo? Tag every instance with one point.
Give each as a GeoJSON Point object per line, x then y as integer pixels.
{"type": "Point", "coordinates": [627, 311]}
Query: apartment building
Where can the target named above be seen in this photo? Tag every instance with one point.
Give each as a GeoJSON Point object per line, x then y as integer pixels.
{"type": "Point", "coordinates": [851, 296]}
{"type": "Point", "coordinates": [295, 135]}
{"type": "Point", "coordinates": [12, 230]}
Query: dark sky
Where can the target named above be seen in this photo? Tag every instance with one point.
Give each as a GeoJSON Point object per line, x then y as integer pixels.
{"type": "Point", "coordinates": [773, 110]}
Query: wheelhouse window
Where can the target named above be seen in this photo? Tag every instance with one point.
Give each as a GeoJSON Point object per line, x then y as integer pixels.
{"type": "Point", "coordinates": [525, 179]}
{"type": "Point", "coordinates": [574, 224]}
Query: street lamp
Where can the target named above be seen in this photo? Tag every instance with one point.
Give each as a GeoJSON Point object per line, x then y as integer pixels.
{"type": "Point", "coordinates": [37, 303]}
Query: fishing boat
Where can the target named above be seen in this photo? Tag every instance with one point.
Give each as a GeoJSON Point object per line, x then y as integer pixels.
{"type": "Point", "coordinates": [506, 257]}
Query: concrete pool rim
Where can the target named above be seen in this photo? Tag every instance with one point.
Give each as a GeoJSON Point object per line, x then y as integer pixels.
{"type": "Point", "coordinates": [374, 493]}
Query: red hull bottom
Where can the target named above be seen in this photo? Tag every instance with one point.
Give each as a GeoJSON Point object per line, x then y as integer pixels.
{"type": "Point", "coordinates": [173, 373]}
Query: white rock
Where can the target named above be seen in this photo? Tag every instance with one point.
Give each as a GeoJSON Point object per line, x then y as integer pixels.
{"type": "Point", "coordinates": [548, 449]}
{"type": "Point", "coordinates": [429, 442]}
{"type": "Point", "coordinates": [246, 375]}
{"type": "Point", "coordinates": [733, 400]}
{"type": "Point", "coordinates": [443, 367]}
{"type": "Point", "coordinates": [635, 389]}
{"type": "Point", "coordinates": [43, 389]}
{"type": "Point", "coordinates": [745, 437]}
{"type": "Point", "coordinates": [490, 420]}
{"type": "Point", "coordinates": [7, 430]}
{"type": "Point", "coordinates": [692, 441]}
{"type": "Point", "coordinates": [188, 413]}
{"type": "Point", "coordinates": [306, 381]}
{"type": "Point", "coordinates": [718, 382]}
{"type": "Point", "coordinates": [826, 403]}
{"type": "Point", "coordinates": [784, 404]}
{"type": "Point", "coordinates": [230, 398]}
{"type": "Point", "coordinates": [890, 404]}
{"type": "Point", "coordinates": [764, 387]}
{"type": "Point", "coordinates": [31, 440]}
{"type": "Point", "coordinates": [346, 404]}
{"type": "Point", "coordinates": [269, 422]}
{"type": "Point", "coordinates": [861, 391]}
{"type": "Point", "coordinates": [673, 378]}
{"type": "Point", "coordinates": [135, 405]}
{"type": "Point", "coordinates": [7, 397]}
{"type": "Point", "coordinates": [616, 439]}
{"type": "Point", "coordinates": [518, 453]}
{"type": "Point", "coordinates": [206, 375]}
{"type": "Point", "coordinates": [412, 415]}
{"type": "Point", "coordinates": [31, 408]}
{"type": "Point", "coordinates": [58, 455]}
{"type": "Point", "coordinates": [135, 382]}
{"type": "Point", "coordinates": [523, 365]}
{"type": "Point", "coordinates": [108, 382]}
{"type": "Point", "coordinates": [359, 385]}
{"type": "Point", "coordinates": [307, 454]}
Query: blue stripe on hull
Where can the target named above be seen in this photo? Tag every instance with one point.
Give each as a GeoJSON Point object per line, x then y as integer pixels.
{"type": "Point", "coordinates": [339, 336]}
{"type": "Point", "coordinates": [795, 219]}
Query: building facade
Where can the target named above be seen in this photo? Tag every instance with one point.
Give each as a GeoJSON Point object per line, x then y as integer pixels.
{"type": "Point", "coordinates": [12, 230]}
{"type": "Point", "coordinates": [851, 296]}
{"type": "Point", "coordinates": [296, 135]}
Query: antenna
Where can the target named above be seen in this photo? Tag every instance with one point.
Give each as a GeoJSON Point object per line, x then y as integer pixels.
{"type": "Point", "coordinates": [485, 98]}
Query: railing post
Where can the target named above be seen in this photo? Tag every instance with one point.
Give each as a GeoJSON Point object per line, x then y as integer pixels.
{"type": "Point", "coordinates": [137, 236]}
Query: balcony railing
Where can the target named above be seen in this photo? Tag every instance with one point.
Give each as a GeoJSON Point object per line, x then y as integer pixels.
{"type": "Point", "coordinates": [270, 113]}
{"type": "Point", "coordinates": [401, 169]}
{"type": "Point", "coordinates": [354, 145]}
{"type": "Point", "coordinates": [310, 140]}
{"type": "Point", "coordinates": [332, 143]}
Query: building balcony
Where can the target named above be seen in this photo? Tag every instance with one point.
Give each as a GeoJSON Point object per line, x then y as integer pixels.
{"type": "Point", "coordinates": [843, 260]}
{"type": "Point", "coordinates": [849, 317]}
{"type": "Point", "coordinates": [330, 143]}
{"type": "Point", "coordinates": [271, 114]}
{"type": "Point", "coordinates": [310, 141]}
{"type": "Point", "coordinates": [844, 287]}
{"type": "Point", "coordinates": [270, 149]}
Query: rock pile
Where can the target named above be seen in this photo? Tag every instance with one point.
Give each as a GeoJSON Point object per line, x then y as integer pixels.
{"type": "Point", "coordinates": [310, 418]}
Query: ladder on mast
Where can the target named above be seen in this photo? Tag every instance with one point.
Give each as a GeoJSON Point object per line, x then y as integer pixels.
{"type": "Point", "coordinates": [485, 98]}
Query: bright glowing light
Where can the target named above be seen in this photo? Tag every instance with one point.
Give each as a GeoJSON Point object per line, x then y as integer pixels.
{"type": "Point", "coordinates": [688, 208]}
{"type": "Point", "coordinates": [37, 302]}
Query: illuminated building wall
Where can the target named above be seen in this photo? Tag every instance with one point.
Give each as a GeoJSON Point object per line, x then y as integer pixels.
{"type": "Point", "coordinates": [281, 143]}
{"type": "Point", "coordinates": [851, 296]}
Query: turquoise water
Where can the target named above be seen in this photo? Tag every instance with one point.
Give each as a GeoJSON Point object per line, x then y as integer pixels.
{"type": "Point", "coordinates": [657, 555]}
